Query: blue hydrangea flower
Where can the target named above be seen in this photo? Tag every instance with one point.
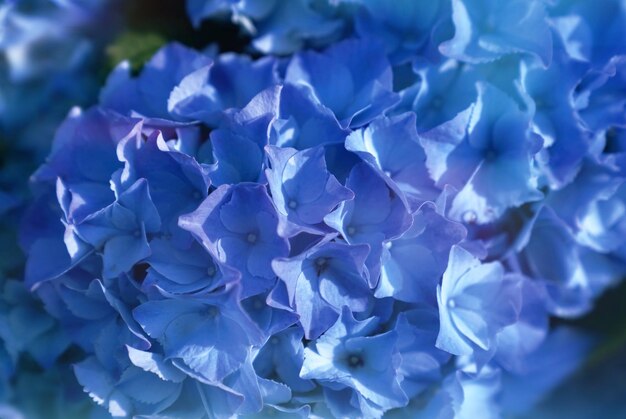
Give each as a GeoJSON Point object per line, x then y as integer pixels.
{"type": "Point", "coordinates": [322, 280]}
{"type": "Point", "coordinates": [391, 147]}
{"type": "Point", "coordinates": [303, 122]}
{"type": "Point", "coordinates": [192, 398]}
{"type": "Point", "coordinates": [237, 144]}
{"type": "Point", "coordinates": [182, 271]}
{"type": "Point", "coordinates": [83, 189]}
{"type": "Point", "coordinates": [476, 301]}
{"type": "Point", "coordinates": [148, 94]}
{"type": "Point", "coordinates": [120, 230]}
{"type": "Point", "coordinates": [573, 274]}
{"type": "Point", "coordinates": [281, 358]}
{"type": "Point", "coordinates": [361, 87]}
{"type": "Point", "coordinates": [349, 356]}
{"type": "Point", "coordinates": [422, 362]}
{"type": "Point", "coordinates": [566, 141]}
{"type": "Point", "coordinates": [238, 78]}
{"type": "Point", "coordinates": [302, 189]}
{"type": "Point", "coordinates": [229, 83]}
{"type": "Point", "coordinates": [375, 215]}
{"type": "Point", "coordinates": [522, 338]}
{"type": "Point", "coordinates": [81, 138]}
{"type": "Point", "coordinates": [600, 99]}
{"type": "Point", "coordinates": [176, 180]}
{"type": "Point", "coordinates": [413, 263]}
{"type": "Point", "coordinates": [591, 206]}
{"type": "Point", "coordinates": [407, 28]}
{"type": "Point", "coordinates": [598, 29]}
{"type": "Point", "coordinates": [237, 225]}
{"type": "Point", "coordinates": [486, 30]}
{"type": "Point", "coordinates": [487, 154]}
{"type": "Point", "coordinates": [125, 395]}
{"type": "Point", "coordinates": [210, 335]}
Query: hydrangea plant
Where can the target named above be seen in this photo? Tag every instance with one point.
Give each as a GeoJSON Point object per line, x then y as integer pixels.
{"type": "Point", "coordinates": [384, 215]}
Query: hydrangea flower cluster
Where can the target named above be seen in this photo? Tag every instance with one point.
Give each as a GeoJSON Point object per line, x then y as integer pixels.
{"type": "Point", "coordinates": [382, 226]}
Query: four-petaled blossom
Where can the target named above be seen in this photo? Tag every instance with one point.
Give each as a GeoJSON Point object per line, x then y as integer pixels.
{"type": "Point", "coordinates": [302, 189]}
{"type": "Point", "coordinates": [237, 225]}
{"type": "Point", "coordinates": [322, 280]}
{"type": "Point", "coordinates": [350, 355]}
{"type": "Point", "coordinates": [476, 301]}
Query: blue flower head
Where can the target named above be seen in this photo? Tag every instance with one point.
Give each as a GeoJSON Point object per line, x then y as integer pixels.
{"type": "Point", "coordinates": [177, 182]}
{"type": "Point", "coordinates": [210, 335]}
{"type": "Point", "coordinates": [487, 153]}
{"type": "Point", "coordinates": [350, 356]}
{"type": "Point", "coordinates": [302, 189]}
{"type": "Point", "coordinates": [391, 147]}
{"type": "Point", "coordinates": [322, 280]}
{"type": "Point", "coordinates": [379, 223]}
{"type": "Point", "coordinates": [182, 271]}
{"type": "Point", "coordinates": [120, 230]}
{"type": "Point", "coordinates": [375, 215]}
{"type": "Point", "coordinates": [551, 91]}
{"type": "Point", "coordinates": [281, 358]}
{"type": "Point", "coordinates": [407, 28]}
{"type": "Point", "coordinates": [229, 83]}
{"type": "Point", "coordinates": [361, 86]}
{"type": "Point", "coordinates": [476, 301]}
{"type": "Point", "coordinates": [422, 362]}
{"type": "Point", "coordinates": [412, 264]}
{"type": "Point", "coordinates": [303, 122]}
{"type": "Point", "coordinates": [148, 94]}
{"type": "Point", "coordinates": [237, 144]}
{"type": "Point", "coordinates": [486, 30]}
{"type": "Point", "coordinates": [443, 91]}
{"type": "Point", "coordinates": [237, 225]}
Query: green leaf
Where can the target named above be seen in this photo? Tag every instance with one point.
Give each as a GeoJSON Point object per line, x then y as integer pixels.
{"type": "Point", "coordinates": [135, 47]}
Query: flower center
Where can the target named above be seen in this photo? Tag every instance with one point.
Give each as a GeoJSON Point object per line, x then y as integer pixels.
{"type": "Point", "coordinates": [355, 361]}
{"type": "Point", "coordinates": [251, 238]}
{"type": "Point", "coordinates": [213, 311]}
{"type": "Point", "coordinates": [321, 264]}
{"type": "Point", "coordinates": [469, 217]}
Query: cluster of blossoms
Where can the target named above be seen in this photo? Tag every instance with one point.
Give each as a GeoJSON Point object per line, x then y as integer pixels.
{"type": "Point", "coordinates": [378, 217]}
